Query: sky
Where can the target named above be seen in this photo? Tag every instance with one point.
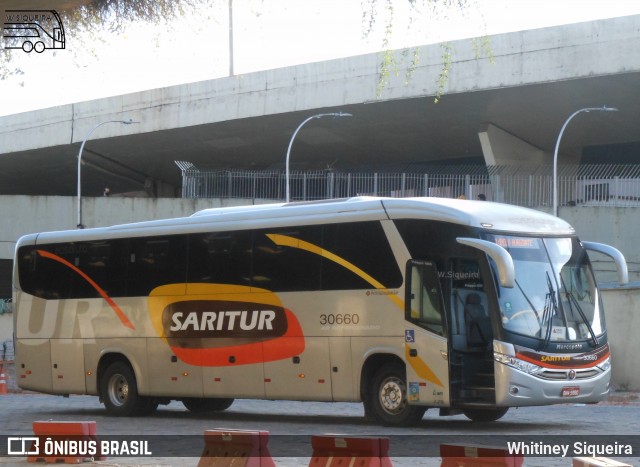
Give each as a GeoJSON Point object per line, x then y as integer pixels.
{"type": "Point", "coordinates": [267, 34]}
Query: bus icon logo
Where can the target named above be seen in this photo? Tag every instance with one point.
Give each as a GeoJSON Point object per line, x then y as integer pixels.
{"type": "Point", "coordinates": [33, 30]}
{"type": "Point", "coordinates": [23, 446]}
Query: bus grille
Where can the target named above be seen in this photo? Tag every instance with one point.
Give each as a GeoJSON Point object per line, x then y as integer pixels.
{"type": "Point", "coordinates": [563, 375]}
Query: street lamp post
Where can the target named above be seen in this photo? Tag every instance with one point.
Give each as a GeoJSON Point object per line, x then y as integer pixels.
{"type": "Point", "coordinates": [79, 202]}
{"type": "Point", "coordinates": [333, 114]}
{"type": "Point", "coordinates": [555, 153]}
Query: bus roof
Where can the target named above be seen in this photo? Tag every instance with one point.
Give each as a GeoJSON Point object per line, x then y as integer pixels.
{"type": "Point", "coordinates": [481, 214]}
{"type": "Point", "coordinates": [488, 215]}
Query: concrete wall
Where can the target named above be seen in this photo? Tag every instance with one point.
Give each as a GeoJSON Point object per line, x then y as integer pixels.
{"type": "Point", "coordinates": [622, 306]}
{"type": "Point", "coordinates": [28, 214]}
{"type": "Point", "coordinates": [519, 59]}
{"type": "Point", "coordinates": [617, 227]}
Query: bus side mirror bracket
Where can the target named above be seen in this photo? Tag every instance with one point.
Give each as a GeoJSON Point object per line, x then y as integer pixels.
{"type": "Point", "coordinates": [502, 258]}
{"type": "Point", "coordinates": [613, 253]}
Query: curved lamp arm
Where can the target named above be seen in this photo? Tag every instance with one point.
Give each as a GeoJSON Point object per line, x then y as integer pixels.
{"type": "Point", "coordinates": [79, 202]}
{"type": "Point", "coordinates": [332, 114]}
{"type": "Point", "coordinates": [604, 108]}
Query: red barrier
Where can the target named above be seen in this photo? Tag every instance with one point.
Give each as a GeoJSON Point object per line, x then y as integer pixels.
{"type": "Point", "coordinates": [597, 462]}
{"type": "Point", "coordinates": [226, 448]}
{"type": "Point", "coordinates": [460, 455]}
{"type": "Point", "coordinates": [339, 451]}
{"type": "Point", "coordinates": [68, 442]}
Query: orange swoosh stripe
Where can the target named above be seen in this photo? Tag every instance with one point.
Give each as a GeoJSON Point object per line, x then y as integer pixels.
{"type": "Point", "coordinates": [285, 240]}
{"type": "Point", "coordinates": [123, 318]}
{"type": "Point", "coordinates": [419, 365]}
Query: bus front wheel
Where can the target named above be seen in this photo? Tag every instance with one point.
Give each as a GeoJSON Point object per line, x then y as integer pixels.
{"type": "Point", "coordinates": [485, 415]}
{"type": "Point", "coordinates": [201, 404]}
{"type": "Point", "coordinates": [387, 399]}
{"type": "Point", "coordinates": [119, 392]}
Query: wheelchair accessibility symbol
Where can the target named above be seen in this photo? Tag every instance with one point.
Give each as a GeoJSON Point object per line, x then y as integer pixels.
{"type": "Point", "coordinates": [409, 335]}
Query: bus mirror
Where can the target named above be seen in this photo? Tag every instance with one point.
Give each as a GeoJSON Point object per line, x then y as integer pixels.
{"type": "Point", "coordinates": [613, 253]}
{"type": "Point", "coordinates": [502, 258]}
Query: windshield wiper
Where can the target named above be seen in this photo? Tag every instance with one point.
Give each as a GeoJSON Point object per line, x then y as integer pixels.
{"type": "Point", "coordinates": [550, 308]}
{"type": "Point", "coordinates": [572, 301]}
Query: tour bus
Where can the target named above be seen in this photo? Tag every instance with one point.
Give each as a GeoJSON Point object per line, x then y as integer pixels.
{"type": "Point", "coordinates": [407, 304]}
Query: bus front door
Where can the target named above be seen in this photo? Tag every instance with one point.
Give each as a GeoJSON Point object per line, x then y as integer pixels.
{"type": "Point", "coordinates": [425, 341]}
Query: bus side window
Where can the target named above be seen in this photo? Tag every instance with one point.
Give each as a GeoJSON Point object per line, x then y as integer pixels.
{"type": "Point", "coordinates": [155, 261]}
{"type": "Point", "coordinates": [220, 258]}
{"type": "Point", "coordinates": [424, 302]}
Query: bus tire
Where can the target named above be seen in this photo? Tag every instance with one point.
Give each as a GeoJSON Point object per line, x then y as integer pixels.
{"type": "Point", "coordinates": [203, 404]}
{"type": "Point", "coordinates": [119, 392]}
{"type": "Point", "coordinates": [388, 398]}
{"type": "Point", "coordinates": [485, 415]}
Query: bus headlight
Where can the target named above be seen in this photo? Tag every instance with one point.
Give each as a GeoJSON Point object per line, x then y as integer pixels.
{"type": "Point", "coordinates": [516, 363]}
{"type": "Point", "coordinates": [605, 365]}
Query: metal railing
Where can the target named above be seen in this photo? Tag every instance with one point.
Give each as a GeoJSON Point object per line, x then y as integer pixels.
{"type": "Point", "coordinates": [610, 185]}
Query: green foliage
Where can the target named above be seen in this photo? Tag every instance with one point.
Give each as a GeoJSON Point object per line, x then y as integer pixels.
{"type": "Point", "coordinates": [91, 18]}
{"type": "Point", "coordinates": [443, 79]}
{"type": "Point", "coordinates": [421, 12]}
{"type": "Point", "coordinates": [116, 15]}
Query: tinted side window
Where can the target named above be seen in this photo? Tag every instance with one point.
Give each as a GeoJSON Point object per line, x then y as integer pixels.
{"type": "Point", "coordinates": [286, 259]}
{"type": "Point", "coordinates": [43, 276]}
{"type": "Point", "coordinates": [66, 270]}
{"type": "Point", "coordinates": [424, 299]}
{"type": "Point", "coordinates": [363, 245]}
{"type": "Point", "coordinates": [431, 239]}
{"type": "Point", "coordinates": [155, 261]}
{"type": "Point", "coordinates": [220, 258]}
{"type": "Point", "coordinates": [105, 263]}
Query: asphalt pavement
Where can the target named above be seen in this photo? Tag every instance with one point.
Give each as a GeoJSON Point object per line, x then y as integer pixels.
{"type": "Point", "coordinates": [174, 436]}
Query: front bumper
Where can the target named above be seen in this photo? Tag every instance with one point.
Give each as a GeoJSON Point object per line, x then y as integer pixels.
{"type": "Point", "coordinates": [515, 388]}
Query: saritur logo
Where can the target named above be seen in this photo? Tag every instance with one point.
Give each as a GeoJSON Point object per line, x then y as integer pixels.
{"type": "Point", "coordinates": [29, 30]}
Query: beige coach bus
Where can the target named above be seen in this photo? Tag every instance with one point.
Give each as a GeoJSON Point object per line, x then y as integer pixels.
{"type": "Point", "coordinates": [403, 304]}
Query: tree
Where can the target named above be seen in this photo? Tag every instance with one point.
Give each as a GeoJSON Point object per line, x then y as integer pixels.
{"type": "Point", "coordinates": [420, 13]}
{"type": "Point", "coordinates": [90, 19]}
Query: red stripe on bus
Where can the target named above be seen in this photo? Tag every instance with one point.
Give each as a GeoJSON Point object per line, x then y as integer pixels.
{"type": "Point", "coordinates": [123, 318]}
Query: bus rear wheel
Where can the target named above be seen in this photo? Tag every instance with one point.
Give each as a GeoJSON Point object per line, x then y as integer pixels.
{"type": "Point", "coordinates": [201, 404]}
{"type": "Point", "coordinates": [387, 399]}
{"type": "Point", "coordinates": [485, 415]}
{"type": "Point", "coordinates": [119, 392]}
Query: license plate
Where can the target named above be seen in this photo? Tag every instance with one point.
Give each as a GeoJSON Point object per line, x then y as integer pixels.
{"type": "Point", "coordinates": [570, 391]}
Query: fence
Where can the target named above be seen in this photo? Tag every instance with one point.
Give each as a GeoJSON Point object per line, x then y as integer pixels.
{"type": "Point", "coordinates": [611, 185]}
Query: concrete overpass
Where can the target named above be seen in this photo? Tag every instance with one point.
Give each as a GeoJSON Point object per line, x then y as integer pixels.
{"type": "Point", "coordinates": [506, 112]}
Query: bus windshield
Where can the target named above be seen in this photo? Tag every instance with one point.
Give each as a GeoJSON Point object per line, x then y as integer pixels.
{"type": "Point", "coordinates": [555, 296]}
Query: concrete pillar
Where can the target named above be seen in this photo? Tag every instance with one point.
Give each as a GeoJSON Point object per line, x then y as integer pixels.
{"type": "Point", "coordinates": [502, 148]}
